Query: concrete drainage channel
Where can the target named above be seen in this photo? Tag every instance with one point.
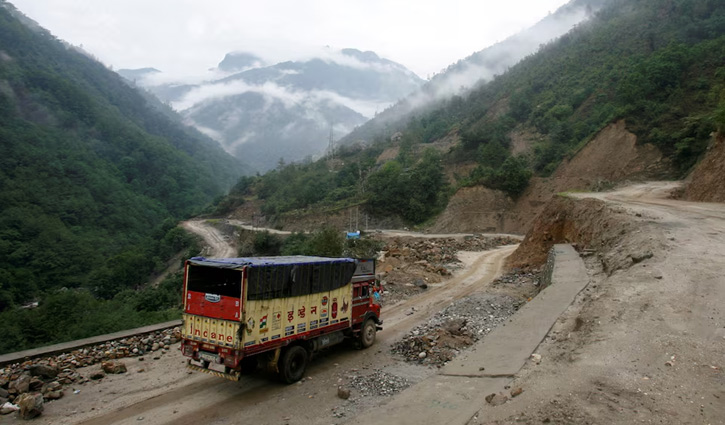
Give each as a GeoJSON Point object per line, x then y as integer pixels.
{"type": "Point", "coordinates": [456, 394]}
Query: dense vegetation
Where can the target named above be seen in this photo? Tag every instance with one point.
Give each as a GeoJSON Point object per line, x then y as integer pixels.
{"type": "Point", "coordinates": [657, 64]}
{"type": "Point", "coordinates": [411, 186]}
{"type": "Point", "coordinates": [92, 182]}
{"type": "Point", "coordinates": [660, 65]}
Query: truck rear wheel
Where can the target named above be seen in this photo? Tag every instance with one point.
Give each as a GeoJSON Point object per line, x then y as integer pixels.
{"type": "Point", "coordinates": [292, 364]}
{"type": "Point", "coordinates": [367, 333]}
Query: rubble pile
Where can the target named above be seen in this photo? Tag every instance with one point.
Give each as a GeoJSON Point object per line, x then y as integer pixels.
{"type": "Point", "coordinates": [378, 383]}
{"type": "Point", "coordinates": [461, 324]}
{"type": "Point", "coordinates": [483, 243]}
{"type": "Point", "coordinates": [434, 254]}
{"type": "Point", "coordinates": [519, 278]}
{"type": "Point", "coordinates": [48, 376]}
{"type": "Point", "coordinates": [407, 265]}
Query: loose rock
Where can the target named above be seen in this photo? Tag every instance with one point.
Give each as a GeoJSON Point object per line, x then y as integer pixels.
{"type": "Point", "coordinates": [496, 399]}
{"type": "Point", "coordinates": [378, 383]}
{"type": "Point", "coordinates": [343, 393]}
{"type": "Point", "coordinates": [8, 408]}
{"type": "Point", "coordinates": [113, 367]}
{"type": "Point", "coordinates": [31, 405]}
{"type": "Point", "coordinates": [97, 375]}
{"type": "Point", "coordinates": [456, 327]}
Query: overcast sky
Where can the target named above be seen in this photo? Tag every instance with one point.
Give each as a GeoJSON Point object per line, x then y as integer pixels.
{"type": "Point", "coordinates": [187, 37]}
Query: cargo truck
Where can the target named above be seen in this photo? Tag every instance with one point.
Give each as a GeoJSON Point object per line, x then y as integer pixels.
{"type": "Point", "coordinates": [241, 314]}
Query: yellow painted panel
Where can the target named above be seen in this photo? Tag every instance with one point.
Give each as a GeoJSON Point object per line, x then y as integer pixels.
{"type": "Point", "coordinates": [212, 331]}
{"type": "Point", "coordinates": [269, 320]}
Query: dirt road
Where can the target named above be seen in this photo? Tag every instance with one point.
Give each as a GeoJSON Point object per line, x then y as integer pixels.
{"type": "Point", "coordinates": [219, 245]}
{"type": "Point", "coordinates": [644, 344]}
{"type": "Point", "coordinates": [162, 391]}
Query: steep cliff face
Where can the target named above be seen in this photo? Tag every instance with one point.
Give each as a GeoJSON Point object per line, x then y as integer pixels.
{"type": "Point", "coordinates": [707, 182]}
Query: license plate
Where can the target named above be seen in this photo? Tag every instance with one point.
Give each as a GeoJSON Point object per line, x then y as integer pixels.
{"type": "Point", "coordinates": [212, 358]}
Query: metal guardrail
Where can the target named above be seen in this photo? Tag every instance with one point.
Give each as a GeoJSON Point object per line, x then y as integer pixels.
{"type": "Point", "coordinates": [65, 347]}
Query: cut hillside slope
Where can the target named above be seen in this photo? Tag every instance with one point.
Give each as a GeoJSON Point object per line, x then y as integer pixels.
{"type": "Point", "coordinates": [589, 223]}
{"type": "Point", "coordinates": [475, 209]}
{"type": "Point", "coordinates": [612, 156]}
{"type": "Point", "coordinates": [708, 179]}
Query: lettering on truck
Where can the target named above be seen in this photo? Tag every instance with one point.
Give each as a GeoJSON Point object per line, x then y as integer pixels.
{"type": "Point", "coordinates": [206, 334]}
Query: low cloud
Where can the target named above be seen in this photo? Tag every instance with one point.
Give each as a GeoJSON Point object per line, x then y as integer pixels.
{"type": "Point", "coordinates": [483, 66]}
{"type": "Point", "coordinates": [272, 91]}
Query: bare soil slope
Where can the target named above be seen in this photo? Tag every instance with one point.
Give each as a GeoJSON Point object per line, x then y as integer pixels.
{"type": "Point", "coordinates": [591, 224]}
{"type": "Point", "coordinates": [475, 209]}
{"type": "Point", "coordinates": [610, 157]}
{"type": "Point", "coordinates": [708, 179]}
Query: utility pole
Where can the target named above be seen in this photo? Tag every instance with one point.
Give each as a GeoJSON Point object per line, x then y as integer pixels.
{"type": "Point", "coordinates": [331, 147]}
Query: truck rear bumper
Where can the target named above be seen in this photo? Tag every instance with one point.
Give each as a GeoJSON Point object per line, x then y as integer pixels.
{"type": "Point", "coordinates": [234, 376]}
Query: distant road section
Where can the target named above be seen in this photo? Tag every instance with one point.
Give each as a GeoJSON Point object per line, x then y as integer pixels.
{"type": "Point", "coordinates": [219, 246]}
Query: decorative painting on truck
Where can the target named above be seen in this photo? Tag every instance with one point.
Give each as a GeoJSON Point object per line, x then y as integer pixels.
{"type": "Point", "coordinates": [300, 292]}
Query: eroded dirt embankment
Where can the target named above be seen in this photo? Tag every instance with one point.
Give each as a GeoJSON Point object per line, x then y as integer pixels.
{"type": "Point", "coordinates": [593, 226]}
{"type": "Point", "coordinates": [708, 178]}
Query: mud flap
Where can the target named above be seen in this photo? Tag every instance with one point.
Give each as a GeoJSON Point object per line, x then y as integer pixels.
{"type": "Point", "coordinates": [230, 376]}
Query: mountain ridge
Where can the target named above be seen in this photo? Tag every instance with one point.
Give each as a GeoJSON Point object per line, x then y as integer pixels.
{"type": "Point", "coordinates": [288, 109]}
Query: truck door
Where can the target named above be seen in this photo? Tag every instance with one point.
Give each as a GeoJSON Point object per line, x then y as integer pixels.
{"type": "Point", "coordinates": [360, 301]}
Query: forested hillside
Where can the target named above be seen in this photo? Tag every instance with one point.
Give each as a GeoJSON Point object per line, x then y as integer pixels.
{"type": "Point", "coordinates": [659, 65]}
{"type": "Point", "coordinates": [92, 183]}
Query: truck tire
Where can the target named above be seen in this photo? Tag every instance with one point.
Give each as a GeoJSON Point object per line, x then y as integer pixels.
{"type": "Point", "coordinates": [292, 364]}
{"type": "Point", "coordinates": [367, 333]}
